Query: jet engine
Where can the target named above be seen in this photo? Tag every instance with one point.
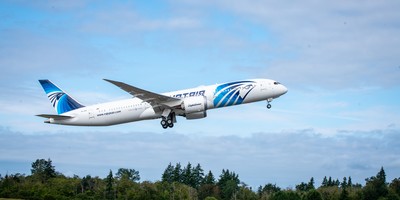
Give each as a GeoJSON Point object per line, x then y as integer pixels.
{"type": "Point", "coordinates": [195, 107]}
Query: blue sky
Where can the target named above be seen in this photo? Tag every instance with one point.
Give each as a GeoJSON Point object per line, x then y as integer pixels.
{"type": "Point", "coordinates": [339, 60]}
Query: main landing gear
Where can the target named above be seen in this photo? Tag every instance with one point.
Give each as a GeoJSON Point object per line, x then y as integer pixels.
{"type": "Point", "coordinates": [168, 121]}
{"type": "Point", "coordinates": [269, 101]}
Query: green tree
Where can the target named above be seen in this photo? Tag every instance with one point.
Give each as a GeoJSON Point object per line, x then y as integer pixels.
{"type": "Point", "coordinates": [229, 189]}
{"type": "Point", "coordinates": [267, 190]}
{"type": "Point", "coordinates": [87, 184]}
{"type": "Point", "coordinates": [324, 182]}
{"type": "Point", "coordinates": [310, 185]}
{"type": "Point", "coordinates": [376, 186]}
{"type": "Point", "coordinates": [313, 195]}
{"type": "Point", "coordinates": [208, 190]}
{"type": "Point", "coordinates": [228, 184]}
{"type": "Point", "coordinates": [344, 183]}
{"type": "Point", "coordinates": [10, 185]}
{"type": "Point", "coordinates": [198, 176]}
{"type": "Point", "coordinates": [187, 176]}
{"type": "Point", "coordinates": [392, 196]}
{"type": "Point", "coordinates": [344, 195]}
{"type": "Point", "coordinates": [43, 170]}
{"type": "Point", "coordinates": [330, 182]}
{"type": "Point", "coordinates": [125, 180]}
{"type": "Point", "coordinates": [182, 191]}
{"type": "Point", "coordinates": [149, 190]}
{"type": "Point", "coordinates": [246, 193]}
{"type": "Point", "coordinates": [62, 187]}
{"type": "Point", "coordinates": [177, 173]}
{"type": "Point", "coordinates": [302, 187]}
{"type": "Point", "coordinates": [209, 178]}
{"type": "Point", "coordinates": [337, 183]}
{"type": "Point", "coordinates": [381, 175]}
{"type": "Point", "coordinates": [285, 195]}
{"type": "Point", "coordinates": [395, 186]}
{"type": "Point", "coordinates": [329, 192]}
{"type": "Point", "coordinates": [208, 187]}
{"type": "Point", "coordinates": [127, 174]}
{"type": "Point", "coordinates": [349, 183]}
{"type": "Point", "coordinates": [168, 174]}
{"type": "Point", "coordinates": [192, 176]}
{"type": "Point", "coordinates": [109, 193]}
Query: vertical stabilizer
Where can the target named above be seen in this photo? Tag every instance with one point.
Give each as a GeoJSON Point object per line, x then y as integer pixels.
{"type": "Point", "coordinates": [60, 100]}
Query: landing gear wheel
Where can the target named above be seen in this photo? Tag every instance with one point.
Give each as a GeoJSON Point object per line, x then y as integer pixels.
{"type": "Point", "coordinates": [269, 106]}
{"type": "Point", "coordinates": [164, 123]}
{"type": "Point", "coordinates": [168, 121]}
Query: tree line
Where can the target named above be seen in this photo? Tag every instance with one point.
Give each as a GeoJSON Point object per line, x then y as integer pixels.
{"type": "Point", "coordinates": [187, 182]}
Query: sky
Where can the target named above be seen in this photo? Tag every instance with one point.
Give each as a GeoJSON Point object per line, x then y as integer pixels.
{"type": "Point", "coordinates": [340, 61]}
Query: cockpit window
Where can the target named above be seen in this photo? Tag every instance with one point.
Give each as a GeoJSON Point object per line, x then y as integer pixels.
{"type": "Point", "coordinates": [276, 83]}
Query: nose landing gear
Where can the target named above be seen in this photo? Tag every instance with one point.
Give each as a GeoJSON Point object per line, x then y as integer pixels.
{"type": "Point", "coordinates": [269, 101]}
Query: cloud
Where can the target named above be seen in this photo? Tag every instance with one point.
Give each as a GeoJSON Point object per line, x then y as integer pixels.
{"type": "Point", "coordinates": [27, 55]}
{"type": "Point", "coordinates": [124, 20]}
{"type": "Point", "coordinates": [285, 158]}
{"type": "Point", "coordinates": [333, 45]}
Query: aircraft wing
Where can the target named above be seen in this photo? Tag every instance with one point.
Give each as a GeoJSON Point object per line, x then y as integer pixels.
{"type": "Point", "coordinates": [153, 98]}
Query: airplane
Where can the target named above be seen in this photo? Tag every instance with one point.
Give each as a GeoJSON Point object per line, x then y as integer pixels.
{"type": "Point", "coordinates": [145, 105]}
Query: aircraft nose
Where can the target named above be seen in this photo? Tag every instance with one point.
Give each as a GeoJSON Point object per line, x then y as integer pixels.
{"type": "Point", "coordinates": [284, 89]}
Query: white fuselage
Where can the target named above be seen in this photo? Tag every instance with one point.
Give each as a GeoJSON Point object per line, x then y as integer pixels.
{"type": "Point", "coordinates": [135, 109]}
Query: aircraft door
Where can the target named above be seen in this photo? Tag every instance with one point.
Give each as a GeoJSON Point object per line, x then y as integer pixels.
{"type": "Point", "coordinates": [91, 114]}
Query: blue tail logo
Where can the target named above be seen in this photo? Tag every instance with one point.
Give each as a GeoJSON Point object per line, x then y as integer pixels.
{"type": "Point", "coordinates": [61, 101]}
{"type": "Point", "coordinates": [232, 93]}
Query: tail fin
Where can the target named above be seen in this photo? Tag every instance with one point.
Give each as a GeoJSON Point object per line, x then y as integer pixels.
{"type": "Point", "coordinates": [61, 101]}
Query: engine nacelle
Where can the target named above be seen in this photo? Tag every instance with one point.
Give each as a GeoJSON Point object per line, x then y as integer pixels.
{"type": "Point", "coordinates": [197, 115]}
{"type": "Point", "coordinates": [195, 107]}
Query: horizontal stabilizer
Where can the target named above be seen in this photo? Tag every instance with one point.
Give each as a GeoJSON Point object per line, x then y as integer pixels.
{"type": "Point", "coordinates": [56, 117]}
